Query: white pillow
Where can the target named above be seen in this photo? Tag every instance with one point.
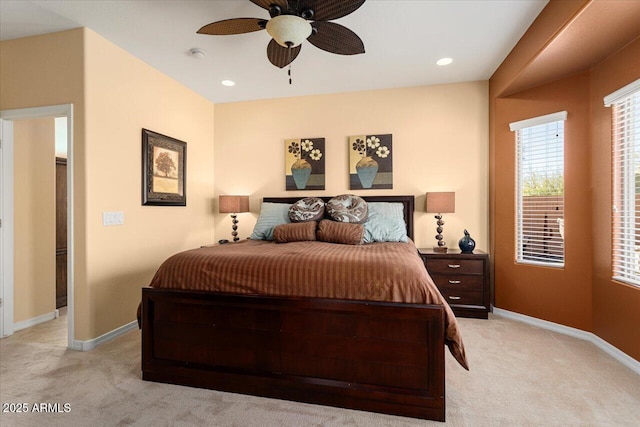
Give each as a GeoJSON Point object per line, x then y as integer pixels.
{"type": "Point", "coordinates": [271, 215]}
{"type": "Point", "coordinates": [385, 223]}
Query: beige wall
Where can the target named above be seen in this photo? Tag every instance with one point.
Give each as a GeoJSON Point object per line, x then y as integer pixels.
{"type": "Point", "coordinates": [440, 143]}
{"type": "Point", "coordinates": [124, 95]}
{"type": "Point", "coordinates": [34, 224]}
{"type": "Point", "coordinates": [115, 95]}
{"type": "Point", "coordinates": [49, 70]}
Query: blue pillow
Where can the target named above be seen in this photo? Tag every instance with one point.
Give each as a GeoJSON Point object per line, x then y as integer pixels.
{"type": "Point", "coordinates": [271, 215]}
{"type": "Point", "coordinates": [385, 223]}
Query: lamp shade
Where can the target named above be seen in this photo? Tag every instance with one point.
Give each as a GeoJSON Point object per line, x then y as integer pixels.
{"type": "Point", "coordinates": [234, 204]}
{"type": "Point", "coordinates": [288, 29]}
{"type": "Point", "coordinates": [441, 202]}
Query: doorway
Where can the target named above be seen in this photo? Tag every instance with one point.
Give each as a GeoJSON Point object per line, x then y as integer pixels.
{"type": "Point", "coordinates": [7, 117]}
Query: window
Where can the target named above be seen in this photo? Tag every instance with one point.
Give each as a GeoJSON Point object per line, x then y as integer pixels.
{"type": "Point", "coordinates": [540, 189]}
{"type": "Point", "coordinates": [626, 182]}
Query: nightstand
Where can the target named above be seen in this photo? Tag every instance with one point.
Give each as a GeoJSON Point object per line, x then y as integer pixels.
{"type": "Point", "coordinates": [463, 280]}
{"type": "Point", "coordinates": [220, 242]}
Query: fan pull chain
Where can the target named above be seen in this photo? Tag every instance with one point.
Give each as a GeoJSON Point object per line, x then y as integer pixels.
{"type": "Point", "coordinates": [289, 60]}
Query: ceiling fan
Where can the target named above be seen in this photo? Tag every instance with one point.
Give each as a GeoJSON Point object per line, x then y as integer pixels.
{"type": "Point", "coordinates": [292, 22]}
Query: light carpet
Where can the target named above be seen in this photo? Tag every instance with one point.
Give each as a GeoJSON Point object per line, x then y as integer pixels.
{"type": "Point", "coordinates": [520, 376]}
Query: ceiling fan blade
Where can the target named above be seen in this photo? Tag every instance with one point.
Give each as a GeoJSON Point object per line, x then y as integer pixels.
{"type": "Point", "coordinates": [279, 55]}
{"type": "Point", "coordinates": [335, 38]}
{"type": "Point", "coordinates": [327, 10]}
{"type": "Point", "coordinates": [234, 26]}
{"type": "Point", "coordinates": [266, 4]}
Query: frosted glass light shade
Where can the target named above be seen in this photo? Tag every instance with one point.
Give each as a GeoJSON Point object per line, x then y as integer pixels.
{"type": "Point", "coordinates": [288, 29]}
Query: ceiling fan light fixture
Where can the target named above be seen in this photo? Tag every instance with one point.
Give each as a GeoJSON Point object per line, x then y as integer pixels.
{"type": "Point", "coordinates": [289, 30]}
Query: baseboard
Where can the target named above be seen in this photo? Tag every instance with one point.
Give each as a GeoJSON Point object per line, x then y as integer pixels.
{"type": "Point", "coordinates": [35, 320]}
{"type": "Point", "coordinates": [91, 344]}
{"type": "Point", "coordinates": [612, 351]}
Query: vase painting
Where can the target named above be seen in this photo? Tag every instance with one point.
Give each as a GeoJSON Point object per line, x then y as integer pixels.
{"type": "Point", "coordinates": [301, 171]}
{"type": "Point", "coordinates": [304, 164]}
{"type": "Point", "coordinates": [367, 169]}
{"type": "Point", "coordinates": [370, 162]}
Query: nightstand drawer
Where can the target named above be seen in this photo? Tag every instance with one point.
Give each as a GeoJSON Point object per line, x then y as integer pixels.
{"type": "Point", "coordinates": [458, 282]}
{"type": "Point", "coordinates": [462, 279]}
{"type": "Point", "coordinates": [463, 296]}
{"type": "Point", "coordinates": [455, 266]}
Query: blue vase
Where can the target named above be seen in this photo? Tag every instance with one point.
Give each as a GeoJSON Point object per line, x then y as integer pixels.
{"type": "Point", "coordinates": [301, 170]}
{"type": "Point", "coordinates": [467, 244]}
{"type": "Point", "coordinates": [367, 169]}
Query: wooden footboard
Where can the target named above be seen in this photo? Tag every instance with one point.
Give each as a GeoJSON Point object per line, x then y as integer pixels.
{"type": "Point", "coordinates": [380, 357]}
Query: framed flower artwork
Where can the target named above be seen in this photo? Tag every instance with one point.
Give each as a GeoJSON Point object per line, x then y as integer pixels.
{"type": "Point", "coordinates": [370, 162]}
{"type": "Point", "coordinates": [304, 164]}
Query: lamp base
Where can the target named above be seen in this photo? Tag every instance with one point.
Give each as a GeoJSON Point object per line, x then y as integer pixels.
{"type": "Point", "coordinates": [234, 227]}
{"type": "Point", "coordinates": [440, 249]}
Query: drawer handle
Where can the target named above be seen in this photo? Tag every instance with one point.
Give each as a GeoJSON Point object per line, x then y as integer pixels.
{"type": "Point", "coordinates": [454, 265]}
{"type": "Point", "coordinates": [454, 282]}
{"type": "Point", "coordinates": [455, 298]}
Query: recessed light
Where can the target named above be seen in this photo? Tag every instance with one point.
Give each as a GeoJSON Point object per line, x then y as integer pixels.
{"type": "Point", "coordinates": [228, 83]}
{"type": "Point", "coordinates": [197, 53]}
{"type": "Point", "coordinates": [444, 61]}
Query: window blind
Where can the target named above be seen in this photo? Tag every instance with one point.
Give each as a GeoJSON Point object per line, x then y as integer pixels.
{"type": "Point", "coordinates": [626, 183]}
{"type": "Point", "coordinates": [540, 189]}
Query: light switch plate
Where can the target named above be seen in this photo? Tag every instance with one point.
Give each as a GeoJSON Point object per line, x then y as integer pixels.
{"type": "Point", "coordinates": [113, 218]}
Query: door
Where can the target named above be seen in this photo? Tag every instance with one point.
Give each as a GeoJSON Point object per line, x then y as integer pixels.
{"type": "Point", "coordinates": [61, 232]}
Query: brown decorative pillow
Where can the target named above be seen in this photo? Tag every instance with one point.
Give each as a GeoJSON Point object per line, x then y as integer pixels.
{"type": "Point", "coordinates": [307, 209]}
{"type": "Point", "coordinates": [340, 232]}
{"type": "Point", "coordinates": [295, 232]}
{"type": "Point", "coordinates": [348, 208]}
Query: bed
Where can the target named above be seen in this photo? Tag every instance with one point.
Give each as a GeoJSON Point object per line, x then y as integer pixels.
{"type": "Point", "coordinates": [383, 352]}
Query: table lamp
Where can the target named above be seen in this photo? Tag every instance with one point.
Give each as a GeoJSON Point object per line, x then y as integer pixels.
{"type": "Point", "coordinates": [234, 205]}
{"type": "Point", "coordinates": [439, 203]}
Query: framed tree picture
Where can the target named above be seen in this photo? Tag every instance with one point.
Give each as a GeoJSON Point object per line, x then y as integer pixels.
{"type": "Point", "coordinates": [164, 174]}
{"type": "Point", "coordinates": [370, 162]}
{"type": "Point", "coordinates": [304, 164]}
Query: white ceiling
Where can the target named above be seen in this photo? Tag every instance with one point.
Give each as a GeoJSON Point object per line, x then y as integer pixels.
{"type": "Point", "coordinates": [402, 38]}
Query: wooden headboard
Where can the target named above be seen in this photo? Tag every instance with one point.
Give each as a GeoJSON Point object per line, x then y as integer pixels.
{"type": "Point", "coordinates": [407, 201]}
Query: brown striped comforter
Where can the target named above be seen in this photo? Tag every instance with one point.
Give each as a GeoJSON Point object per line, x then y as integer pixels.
{"type": "Point", "coordinates": [391, 272]}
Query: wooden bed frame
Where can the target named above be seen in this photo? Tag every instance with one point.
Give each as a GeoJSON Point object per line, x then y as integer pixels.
{"type": "Point", "coordinates": [372, 356]}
